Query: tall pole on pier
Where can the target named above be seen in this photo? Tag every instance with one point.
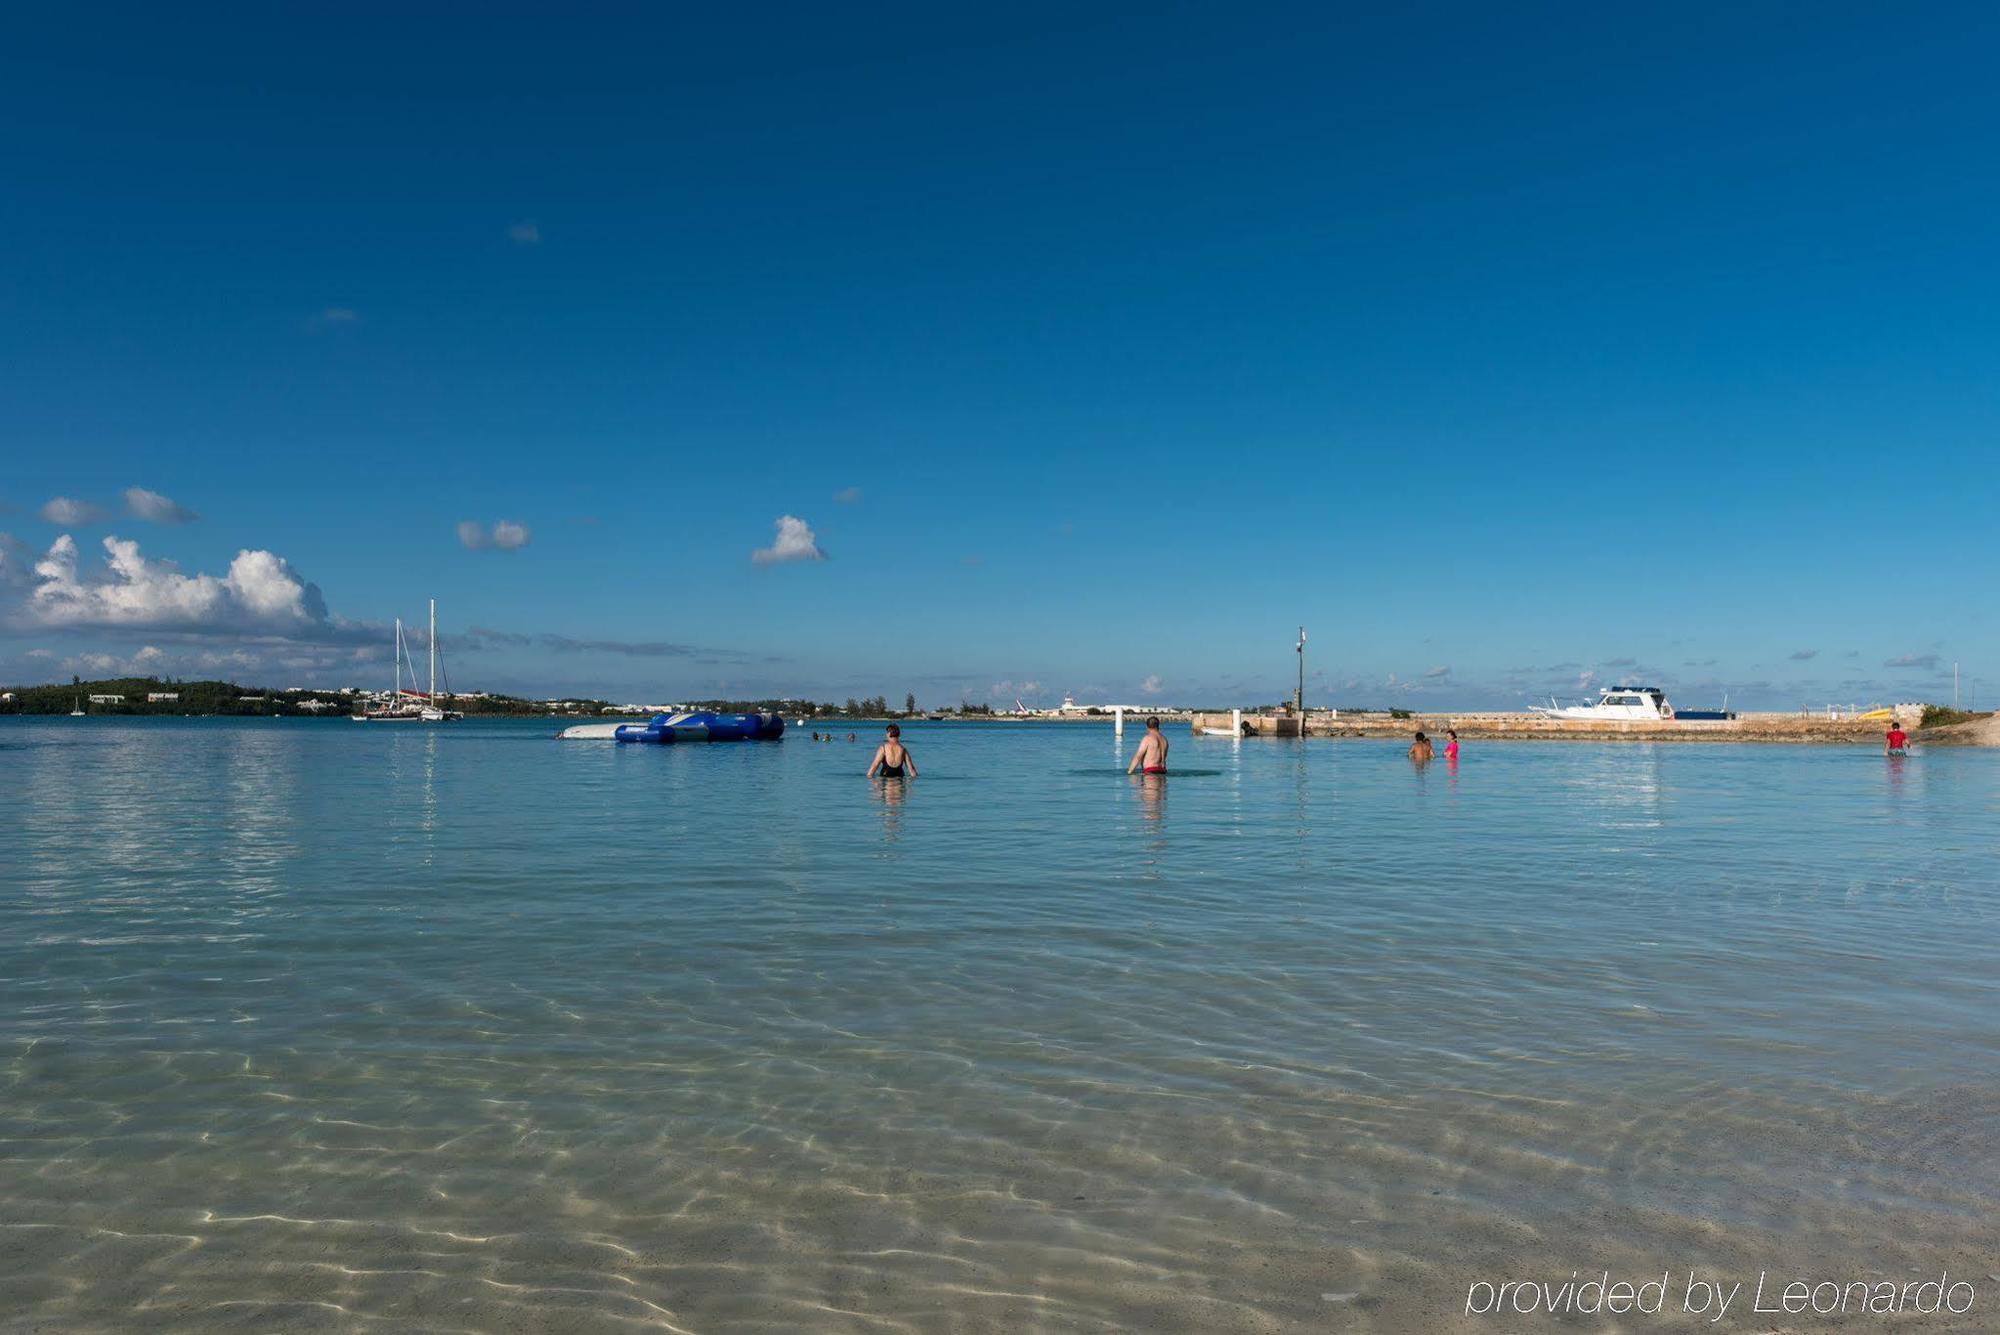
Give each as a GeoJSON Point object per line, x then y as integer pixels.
{"type": "Point", "coordinates": [434, 653]}
{"type": "Point", "coordinates": [1299, 696]}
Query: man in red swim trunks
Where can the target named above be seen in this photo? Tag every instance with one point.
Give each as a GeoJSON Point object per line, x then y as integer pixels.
{"type": "Point", "coordinates": [1898, 740]}
{"type": "Point", "coordinates": [1151, 757]}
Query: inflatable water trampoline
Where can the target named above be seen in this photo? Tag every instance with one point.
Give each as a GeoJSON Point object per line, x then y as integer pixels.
{"type": "Point", "coordinates": [699, 726]}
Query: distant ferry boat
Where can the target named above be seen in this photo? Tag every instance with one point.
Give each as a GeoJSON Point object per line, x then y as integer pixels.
{"type": "Point", "coordinates": [1616, 704]}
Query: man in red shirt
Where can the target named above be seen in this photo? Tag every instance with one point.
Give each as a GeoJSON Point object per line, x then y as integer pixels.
{"type": "Point", "coordinates": [1899, 741]}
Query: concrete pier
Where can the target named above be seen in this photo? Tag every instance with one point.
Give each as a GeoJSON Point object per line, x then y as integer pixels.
{"type": "Point", "coordinates": [1538, 727]}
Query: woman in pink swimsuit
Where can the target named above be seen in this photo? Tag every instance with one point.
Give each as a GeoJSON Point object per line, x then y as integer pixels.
{"type": "Point", "coordinates": [1451, 746]}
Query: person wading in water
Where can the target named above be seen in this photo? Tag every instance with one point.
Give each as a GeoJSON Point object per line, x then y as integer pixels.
{"type": "Point", "coordinates": [892, 758]}
{"type": "Point", "coordinates": [1151, 757]}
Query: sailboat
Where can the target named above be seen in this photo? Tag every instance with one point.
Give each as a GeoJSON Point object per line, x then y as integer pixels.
{"type": "Point", "coordinates": [403, 706]}
{"type": "Point", "coordinates": [396, 711]}
{"type": "Point", "coordinates": [76, 706]}
{"type": "Point", "coordinates": [431, 713]}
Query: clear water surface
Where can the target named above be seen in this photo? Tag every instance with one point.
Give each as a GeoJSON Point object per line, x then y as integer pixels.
{"type": "Point", "coordinates": [332, 1026]}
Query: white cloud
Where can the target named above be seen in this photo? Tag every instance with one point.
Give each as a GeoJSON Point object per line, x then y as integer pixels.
{"type": "Point", "coordinates": [150, 505]}
{"type": "Point", "coordinates": [794, 542]}
{"type": "Point", "coordinates": [526, 233]}
{"type": "Point", "coordinates": [1438, 673]}
{"type": "Point", "coordinates": [148, 660]}
{"type": "Point", "coordinates": [153, 661]}
{"type": "Point", "coordinates": [64, 510]}
{"type": "Point", "coordinates": [847, 496]}
{"type": "Point", "coordinates": [260, 594]}
{"type": "Point", "coordinates": [1151, 685]}
{"type": "Point", "coordinates": [505, 535]}
{"type": "Point", "coordinates": [97, 665]}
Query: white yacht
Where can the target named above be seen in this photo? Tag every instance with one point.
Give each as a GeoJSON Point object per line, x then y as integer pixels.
{"type": "Point", "coordinates": [1616, 704]}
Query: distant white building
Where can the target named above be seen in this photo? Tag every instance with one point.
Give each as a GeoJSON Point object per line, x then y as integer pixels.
{"type": "Point", "coordinates": [162, 697]}
{"type": "Point", "coordinates": [107, 699]}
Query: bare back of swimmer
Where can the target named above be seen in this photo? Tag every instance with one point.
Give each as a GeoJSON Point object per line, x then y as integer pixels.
{"type": "Point", "coordinates": [892, 758]}
{"type": "Point", "coordinates": [1151, 757]}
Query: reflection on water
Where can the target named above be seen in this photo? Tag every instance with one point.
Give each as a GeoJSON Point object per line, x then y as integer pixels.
{"type": "Point", "coordinates": [465, 1028]}
{"type": "Point", "coordinates": [891, 792]}
{"type": "Point", "coordinates": [1152, 791]}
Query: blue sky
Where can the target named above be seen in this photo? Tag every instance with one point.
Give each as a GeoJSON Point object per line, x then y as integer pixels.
{"type": "Point", "coordinates": [1508, 351]}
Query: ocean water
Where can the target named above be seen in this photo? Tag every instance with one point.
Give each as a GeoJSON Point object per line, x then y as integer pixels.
{"type": "Point", "coordinates": [319, 1026]}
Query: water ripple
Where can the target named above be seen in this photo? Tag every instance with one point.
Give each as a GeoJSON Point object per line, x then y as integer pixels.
{"type": "Point", "coordinates": [316, 1025]}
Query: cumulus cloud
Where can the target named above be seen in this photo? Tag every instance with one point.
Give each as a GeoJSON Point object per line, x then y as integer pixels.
{"type": "Point", "coordinates": [847, 496]}
{"type": "Point", "coordinates": [66, 510]}
{"type": "Point", "coordinates": [1929, 661]}
{"type": "Point", "coordinates": [794, 542]}
{"type": "Point", "coordinates": [260, 594]}
{"type": "Point", "coordinates": [505, 535]}
{"type": "Point", "coordinates": [148, 660]}
{"type": "Point", "coordinates": [1803, 655]}
{"type": "Point", "coordinates": [1151, 685]}
{"type": "Point", "coordinates": [155, 508]}
{"type": "Point", "coordinates": [98, 665]}
{"type": "Point", "coordinates": [153, 661]}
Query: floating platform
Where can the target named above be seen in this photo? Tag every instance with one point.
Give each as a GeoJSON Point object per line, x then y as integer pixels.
{"type": "Point", "coordinates": [695, 726]}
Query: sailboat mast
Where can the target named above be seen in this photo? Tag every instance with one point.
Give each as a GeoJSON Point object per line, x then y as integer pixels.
{"type": "Point", "coordinates": [434, 653]}
{"type": "Point", "coordinates": [399, 658]}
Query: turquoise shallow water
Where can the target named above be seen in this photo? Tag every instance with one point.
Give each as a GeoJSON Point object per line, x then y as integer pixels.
{"type": "Point", "coordinates": [320, 1025]}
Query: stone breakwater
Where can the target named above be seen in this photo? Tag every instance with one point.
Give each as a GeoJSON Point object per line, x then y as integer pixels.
{"type": "Point", "coordinates": [1794, 728]}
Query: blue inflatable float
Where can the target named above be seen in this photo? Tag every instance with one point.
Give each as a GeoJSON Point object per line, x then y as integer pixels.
{"type": "Point", "coordinates": [698, 726]}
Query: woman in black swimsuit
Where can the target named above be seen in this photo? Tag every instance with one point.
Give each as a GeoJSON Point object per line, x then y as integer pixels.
{"type": "Point", "coordinates": [892, 758]}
